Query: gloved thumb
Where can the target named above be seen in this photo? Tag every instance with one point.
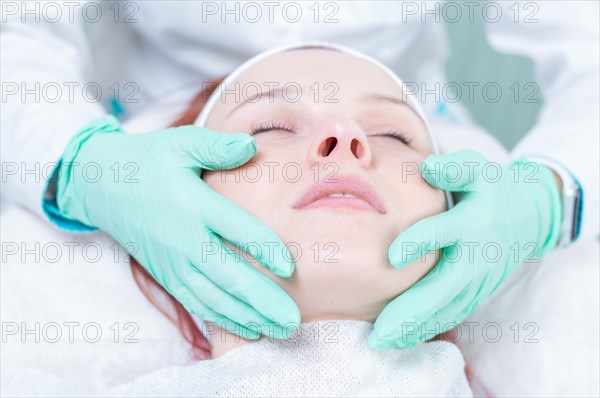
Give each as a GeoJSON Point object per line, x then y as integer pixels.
{"type": "Point", "coordinates": [427, 235]}
{"type": "Point", "coordinates": [453, 171]}
{"type": "Point", "coordinates": [210, 150]}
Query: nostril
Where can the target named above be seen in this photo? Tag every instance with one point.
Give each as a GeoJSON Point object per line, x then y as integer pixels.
{"type": "Point", "coordinates": [356, 148]}
{"type": "Point", "coordinates": [327, 146]}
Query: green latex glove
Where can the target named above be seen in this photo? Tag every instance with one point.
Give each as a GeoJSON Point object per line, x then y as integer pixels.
{"type": "Point", "coordinates": [516, 213]}
{"type": "Point", "coordinates": [159, 206]}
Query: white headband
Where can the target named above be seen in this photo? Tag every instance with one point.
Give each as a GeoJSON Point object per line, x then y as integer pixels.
{"type": "Point", "coordinates": [203, 116]}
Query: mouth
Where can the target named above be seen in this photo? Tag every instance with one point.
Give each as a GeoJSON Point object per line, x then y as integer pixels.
{"type": "Point", "coordinates": [349, 192]}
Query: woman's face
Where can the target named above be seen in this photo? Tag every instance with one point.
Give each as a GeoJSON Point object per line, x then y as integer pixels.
{"type": "Point", "coordinates": [335, 176]}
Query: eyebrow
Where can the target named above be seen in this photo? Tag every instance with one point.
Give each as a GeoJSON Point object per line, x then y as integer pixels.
{"type": "Point", "coordinates": [385, 98]}
{"type": "Point", "coordinates": [278, 94]}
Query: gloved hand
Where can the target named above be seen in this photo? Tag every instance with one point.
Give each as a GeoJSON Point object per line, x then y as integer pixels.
{"type": "Point", "coordinates": [150, 198]}
{"type": "Point", "coordinates": [504, 216]}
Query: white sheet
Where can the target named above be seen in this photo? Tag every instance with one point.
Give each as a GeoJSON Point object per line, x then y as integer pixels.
{"type": "Point", "coordinates": [548, 315]}
{"type": "Point", "coordinates": [92, 289]}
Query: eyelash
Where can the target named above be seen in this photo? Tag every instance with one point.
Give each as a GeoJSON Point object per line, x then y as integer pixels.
{"type": "Point", "coordinates": [398, 135]}
{"type": "Point", "coordinates": [274, 125]}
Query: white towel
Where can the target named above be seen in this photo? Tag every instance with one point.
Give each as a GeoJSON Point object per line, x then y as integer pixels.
{"type": "Point", "coordinates": [322, 359]}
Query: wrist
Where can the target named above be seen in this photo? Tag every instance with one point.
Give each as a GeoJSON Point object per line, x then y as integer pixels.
{"type": "Point", "coordinates": [571, 200]}
{"type": "Point", "coordinates": [82, 150]}
{"type": "Point", "coordinates": [552, 190]}
{"type": "Point", "coordinates": [51, 210]}
{"type": "Point", "coordinates": [559, 181]}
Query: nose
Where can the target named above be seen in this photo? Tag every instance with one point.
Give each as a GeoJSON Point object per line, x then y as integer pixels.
{"type": "Point", "coordinates": [340, 140]}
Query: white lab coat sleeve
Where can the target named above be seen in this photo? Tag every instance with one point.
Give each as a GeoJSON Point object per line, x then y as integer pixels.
{"type": "Point", "coordinates": [563, 45]}
{"type": "Point", "coordinates": [45, 68]}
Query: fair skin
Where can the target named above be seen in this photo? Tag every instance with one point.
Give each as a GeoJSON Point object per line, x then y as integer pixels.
{"type": "Point", "coordinates": [347, 140]}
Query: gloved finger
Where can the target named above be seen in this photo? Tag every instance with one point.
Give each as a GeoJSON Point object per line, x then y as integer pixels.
{"type": "Point", "coordinates": [196, 307]}
{"type": "Point", "coordinates": [444, 284]}
{"type": "Point", "coordinates": [210, 150]}
{"type": "Point", "coordinates": [424, 236]}
{"type": "Point", "coordinates": [444, 319]}
{"type": "Point", "coordinates": [453, 171]}
{"type": "Point", "coordinates": [233, 274]}
{"type": "Point", "coordinates": [219, 301]}
{"type": "Point", "coordinates": [414, 333]}
{"type": "Point", "coordinates": [479, 292]}
{"type": "Point", "coordinates": [249, 234]}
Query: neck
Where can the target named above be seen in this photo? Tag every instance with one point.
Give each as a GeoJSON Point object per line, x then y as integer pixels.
{"type": "Point", "coordinates": [222, 341]}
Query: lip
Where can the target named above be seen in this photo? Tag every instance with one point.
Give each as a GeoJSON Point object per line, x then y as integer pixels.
{"type": "Point", "coordinates": [366, 198]}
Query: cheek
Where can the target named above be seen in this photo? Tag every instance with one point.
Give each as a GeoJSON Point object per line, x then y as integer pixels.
{"type": "Point", "coordinates": [422, 199]}
{"type": "Point", "coordinates": [240, 186]}
{"type": "Point", "coordinates": [259, 186]}
{"type": "Point", "coordinates": [413, 198]}
{"type": "Point", "coordinates": [398, 281]}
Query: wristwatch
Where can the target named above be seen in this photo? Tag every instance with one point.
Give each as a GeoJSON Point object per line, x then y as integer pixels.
{"type": "Point", "coordinates": [571, 198]}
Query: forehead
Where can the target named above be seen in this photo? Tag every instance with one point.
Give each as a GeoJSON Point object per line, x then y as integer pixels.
{"type": "Point", "coordinates": [320, 65]}
{"type": "Point", "coordinates": [320, 75]}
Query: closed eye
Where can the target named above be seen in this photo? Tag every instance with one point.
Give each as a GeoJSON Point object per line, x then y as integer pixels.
{"type": "Point", "coordinates": [397, 135]}
{"type": "Point", "coordinates": [272, 126]}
